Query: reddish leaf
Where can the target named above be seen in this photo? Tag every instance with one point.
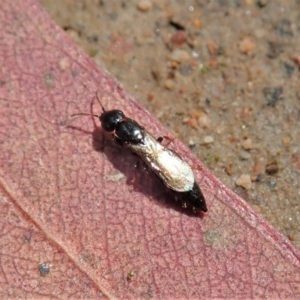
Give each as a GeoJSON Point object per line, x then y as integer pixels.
{"type": "Point", "coordinates": [67, 206]}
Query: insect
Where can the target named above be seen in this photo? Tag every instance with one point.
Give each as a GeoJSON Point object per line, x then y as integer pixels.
{"type": "Point", "coordinates": [174, 172]}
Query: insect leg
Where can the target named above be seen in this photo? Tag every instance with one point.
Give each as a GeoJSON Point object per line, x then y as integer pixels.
{"type": "Point", "coordinates": [161, 138]}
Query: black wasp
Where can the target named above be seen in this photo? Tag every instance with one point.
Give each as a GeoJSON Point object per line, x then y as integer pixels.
{"type": "Point", "coordinates": [175, 173]}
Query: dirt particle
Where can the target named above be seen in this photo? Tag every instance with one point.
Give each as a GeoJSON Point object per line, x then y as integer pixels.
{"type": "Point", "coordinates": [179, 55]}
{"type": "Point", "coordinates": [150, 292]}
{"type": "Point", "coordinates": [272, 167]}
{"type": "Point", "coordinates": [250, 86]}
{"type": "Point", "coordinates": [212, 50]}
{"type": "Point", "coordinates": [64, 63]}
{"type": "Point", "coordinates": [179, 38]}
{"type": "Point", "coordinates": [257, 178]}
{"type": "Point", "coordinates": [232, 139]}
{"type": "Point", "coordinates": [296, 160]}
{"type": "Point", "coordinates": [247, 144]}
{"type": "Point", "coordinates": [27, 238]}
{"type": "Point", "coordinates": [169, 84]}
{"type": "Point", "coordinates": [244, 181]}
{"type": "Point", "coordinates": [185, 69]}
{"type": "Point", "coordinates": [258, 168]}
{"type": "Point", "coordinates": [130, 275]}
{"type": "Point", "coordinates": [271, 183]}
{"type": "Point", "coordinates": [204, 120]}
{"type": "Point", "coordinates": [286, 141]}
{"type": "Point", "coordinates": [195, 113]}
{"type": "Point", "coordinates": [192, 122]}
{"type": "Point", "coordinates": [49, 79]}
{"type": "Point", "coordinates": [119, 46]}
{"type": "Point", "coordinates": [284, 28]}
{"type": "Point", "coordinates": [74, 34]}
{"type": "Point", "coordinates": [144, 5]}
{"type": "Point", "coordinates": [247, 45]}
{"type": "Point", "coordinates": [44, 269]}
{"type": "Point", "coordinates": [261, 3]}
{"type": "Point", "coordinates": [212, 47]}
{"type": "Point", "coordinates": [275, 49]}
{"type": "Point", "coordinates": [272, 95]}
{"type": "Point", "coordinates": [191, 143]}
{"type": "Point", "coordinates": [291, 237]}
{"type": "Point", "coordinates": [257, 208]}
{"type": "Point", "coordinates": [289, 69]}
{"type": "Point", "coordinates": [228, 170]}
{"type": "Point", "coordinates": [245, 155]}
{"type": "Point", "coordinates": [197, 23]}
{"type": "Point", "coordinates": [208, 139]}
{"type": "Point", "coordinates": [116, 177]}
{"type": "Point", "coordinates": [296, 59]}
{"type": "Point", "coordinates": [150, 97]}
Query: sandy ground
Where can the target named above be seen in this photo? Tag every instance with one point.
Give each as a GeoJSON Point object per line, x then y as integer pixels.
{"type": "Point", "coordinates": [222, 75]}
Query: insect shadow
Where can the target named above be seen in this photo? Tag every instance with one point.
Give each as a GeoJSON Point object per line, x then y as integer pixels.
{"type": "Point", "coordinates": [139, 177]}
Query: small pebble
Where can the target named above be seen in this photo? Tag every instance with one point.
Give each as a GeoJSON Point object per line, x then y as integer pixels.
{"type": "Point", "coordinates": [212, 47]}
{"type": "Point", "coordinates": [244, 181]}
{"type": "Point", "coordinates": [144, 5]}
{"type": "Point", "coordinates": [256, 168]}
{"type": "Point", "coordinates": [195, 113]}
{"type": "Point", "coordinates": [286, 141]}
{"type": "Point", "coordinates": [228, 170]}
{"type": "Point", "coordinates": [169, 84]}
{"type": "Point", "coordinates": [150, 97]}
{"type": "Point", "coordinates": [179, 38]}
{"type": "Point", "coordinates": [197, 23]}
{"type": "Point", "coordinates": [272, 167]}
{"type": "Point", "coordinates": [250, 86]}
{"type": "Point", "coordinates": [74, 35]}
{"type": "Point", "coordinates": [261, 3]}
{"type": "Point", "coordinates": [271, 183]}
{"type": "Point", "coordinates": [247, 144]}
{"type": "Point", "coordinates": [296, 59]}
{"type": "Point", "coordinates": [257, 178]}
{"type": "Point", "coordinates": [192, 122]}
{"type": "Point", "coordinates": [204, 120]}
{"type": "Point", "coordinates": [257, 208]}
{"type": "Point", "coordinates": [247, 45]}
{"type": "Point", "coordinates": [191, 143]}
{"type": "Point", "coordinates": [232, 139]}
{"type": "Point", "coordinates": [245, 155]}
{"type": "Point", "coordinates": [208, 139]}
{"type": "Point", "coordinates": [179, 55]}
{"type": "Point", "coordinates": [186, 69]}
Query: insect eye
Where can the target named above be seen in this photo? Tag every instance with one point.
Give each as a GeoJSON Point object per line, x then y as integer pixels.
{"type": "Point", "coordinates": [110, 119]}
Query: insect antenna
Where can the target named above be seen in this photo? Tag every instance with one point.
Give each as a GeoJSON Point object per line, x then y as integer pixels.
{"type": "Point", "coordinates": [91, 114]}
{"type": "Point", "coordinates": [85, 114]}
{"type": "Point", "coordinates": [103, 109]}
